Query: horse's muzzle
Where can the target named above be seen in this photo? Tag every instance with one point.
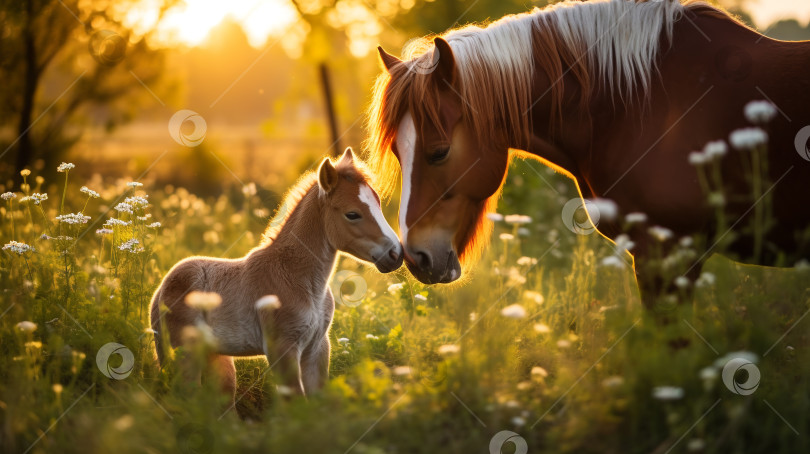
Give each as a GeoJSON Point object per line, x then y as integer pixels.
{"type": "Point", "coordinates": [390, 259]}
{"type": "Point", "coordinates": [429, 270]}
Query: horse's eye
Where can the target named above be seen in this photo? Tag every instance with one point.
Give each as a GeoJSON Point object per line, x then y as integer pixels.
{"type": "Point", "coordinates": [352, 216]}
{"type": "Point", "coordinates": [439, 154]}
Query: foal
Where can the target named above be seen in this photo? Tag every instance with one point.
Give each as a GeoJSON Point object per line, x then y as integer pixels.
{"type": "Point", "coordinates": [332, 210]}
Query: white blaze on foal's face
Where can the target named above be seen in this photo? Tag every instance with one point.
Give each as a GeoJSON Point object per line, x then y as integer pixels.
{"type": "Point", "coordinates": [389, 241]}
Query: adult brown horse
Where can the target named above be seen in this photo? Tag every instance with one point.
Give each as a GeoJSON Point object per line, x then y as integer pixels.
{"type": "Point", "coordinates": [614, 93]}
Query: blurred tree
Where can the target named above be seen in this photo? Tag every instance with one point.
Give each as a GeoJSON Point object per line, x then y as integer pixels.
{"type": "Point", "coordinates": [59, 56]}
{"type": "Point", "coordinates": [789, 30]}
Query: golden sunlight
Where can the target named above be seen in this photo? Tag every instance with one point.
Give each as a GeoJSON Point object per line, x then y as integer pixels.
{"type": "Point", "coordinates": [191, 22]}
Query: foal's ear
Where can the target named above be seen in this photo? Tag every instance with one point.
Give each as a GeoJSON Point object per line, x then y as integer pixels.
{"type": "Point", "coordinates": [348, 155]}
{"type": "Point", "coordinates": [387, 59]}
{"type": "Point", "coordinates": [327, 176]}
{"type": "Point", "coordinates": [445, 72]}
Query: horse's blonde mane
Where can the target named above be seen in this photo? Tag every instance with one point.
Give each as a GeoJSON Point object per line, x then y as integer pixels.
{"type": "Point", "coordinates": [357, 171]}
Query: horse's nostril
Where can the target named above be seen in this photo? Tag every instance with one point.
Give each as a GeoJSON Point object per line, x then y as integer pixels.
{"type": "Point", "coordinates": [393, 254]}
{"type": "Point", "coordinates": [423, 260]}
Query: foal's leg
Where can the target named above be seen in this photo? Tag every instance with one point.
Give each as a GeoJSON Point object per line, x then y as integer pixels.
{"type": "Point", "coordinates": [286, 357]}
{"type": "Point", "coordinates": [223, 368]}
{"type": "Point", "coordinates": [315, 365]}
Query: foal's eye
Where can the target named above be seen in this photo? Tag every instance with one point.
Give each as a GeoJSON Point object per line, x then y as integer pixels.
{"type": "Point", "coordinates": [439, 155]}
{"type": "Point", "coordinates": [352, 216]}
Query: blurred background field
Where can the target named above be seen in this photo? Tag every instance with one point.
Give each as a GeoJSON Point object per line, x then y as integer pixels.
{"type": "Point", "coordinates": [544, 339]}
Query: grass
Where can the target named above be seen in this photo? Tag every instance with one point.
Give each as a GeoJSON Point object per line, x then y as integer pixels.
{"type": "Point", "coordinates": [582, 368]}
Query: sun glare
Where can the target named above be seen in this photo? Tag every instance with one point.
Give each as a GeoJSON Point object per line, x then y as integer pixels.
{"type": "Point", "coordinates": [191, 22]}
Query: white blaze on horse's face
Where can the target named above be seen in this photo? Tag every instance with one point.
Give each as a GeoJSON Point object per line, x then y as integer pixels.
{"type": "Point", "coordinates": [390, 243]}
{"type": "Point", "coordinates": [406, 148]}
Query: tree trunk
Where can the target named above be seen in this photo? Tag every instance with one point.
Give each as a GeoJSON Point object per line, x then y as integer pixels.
{"type": "Point", "coordinates": [326, 83]}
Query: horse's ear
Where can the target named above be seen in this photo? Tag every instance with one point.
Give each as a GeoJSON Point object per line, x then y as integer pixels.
{"type": "Point", "coordinates": [348, 155]}
{"type": "Point", "coordinates": [387, 59]}
{"type": "Point", "coordinates": [327, 176]}
{"type": "Point", "coordinates": [445, 72]}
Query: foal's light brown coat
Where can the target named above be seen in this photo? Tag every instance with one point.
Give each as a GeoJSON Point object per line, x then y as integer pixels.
{"type": "Point", "coordinates": [333, 210]}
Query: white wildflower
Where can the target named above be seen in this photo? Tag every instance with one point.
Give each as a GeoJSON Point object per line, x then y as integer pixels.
{"type": "Point", "coordinates": [38, 198]}
{"type": "Point", "coordinates": [705, 280]}
{"type": "Point", "coordinates": [542, 328]}
{"type": "Point", "coordinates": [495, 217]}
{"type": "Point", "coordinates": [123, 207]}
{"type": "Point", "coordinates": [137, 201]}
{"type": "Point", "coordinates": [745, 355]}
{"type": "Point", "coordinates": [539, 372]}
{"type": "Point", "coordinates": [249, 189]}
{"type": "Point", "coordinates": [25, 172]}
{"type": "Point", "coordinates": [635, 218]}
{"type": "Point", "coordinates": [131, 245]}
{"type": "Point", "coordinates": [660, 233]}
{"type": "Point", "coordinates": [514, 311]}
{"type": "Point", "coordinates": [18, 247]}
{"type": "Point", "coordinates": [612, 262]}
{"type": "Point", "coordinates": [531, 295]}
{"type": "Point", "coordinates": [613, 382]}
{"type": "Point", "coordinates": [204, 301]}
{"type": "Point", "coordinates": [526, 261]}
{"type": "Point", "coordinates": [717, 199]}
{"type": "Point", "coordinates": [420, 297]}
{"type": "Point", "coordinates": [759, 112]}
{"type": "Point", "coordinates": [668, 393]}
{"type": "Point", "coordinates": [394, 288]}
{"type": "Point", "coordinates": [8, 195]}
{"type": "Point", "coordinates": [506, 237]}
{"type": "Point", "coordinates": [268, 302]}
{"type": "Point", "coordinates": [517, 421]}
{"type": "Point", "coordinates": [134, 184]}
{"type": "Point", "coordinates": [73, 218]}
{"type": "Point", "coordinates": [114, 222]}
{"type": "Point", "coordinates": [682, 282]}
{"type": "Point", "coordinates": [748, 138]}
{"type": "Point", "coordinates": [695, 445]}
{"type": "Point", "coordinates": [371, 337]}
{"type": "Point", "coordinates": [65, 166]}
{"type": "Point", "coordinates": [343, 340]}
{"type": "Point", "coordinates": [448, 349]}
{"type": "Point", "coordinates": [602, 209]}
{"type": "Point", "coordinates": [517, 219]}
{"type": "Point", "coordinates": [154, 225]}
{"type": "Point", "coordinates": [624, 244]}
{"type": "Point", "coordinates": [715, 149]}
{"type": "Point", "coordinates": [401, 371]}
{"type": "Point", "coordinates": [697, 158]}
{"type": "Point", "coordinates": [91, 193]}
{"type": "Point", "coordinates": [564, 343]}
{"type": "Point", "coordinates": [523, 231]}
{"type": "Point", "coordinates": [26, 326]}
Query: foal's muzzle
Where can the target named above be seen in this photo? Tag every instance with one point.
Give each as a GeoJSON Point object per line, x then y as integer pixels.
{"type": "Point", "coordinates": [430, 267]}
{"type": "Point", "coordinates": [388, 258]}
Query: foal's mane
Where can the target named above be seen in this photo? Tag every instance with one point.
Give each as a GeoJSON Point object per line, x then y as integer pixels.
{"type": "Point", "coordinates": [612, 41]}
{"type": "Point", "coordinates": [356, 172]}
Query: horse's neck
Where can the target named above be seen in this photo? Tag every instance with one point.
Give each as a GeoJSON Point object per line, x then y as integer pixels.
{"type": "Point", "coordinates": [301, 249]}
